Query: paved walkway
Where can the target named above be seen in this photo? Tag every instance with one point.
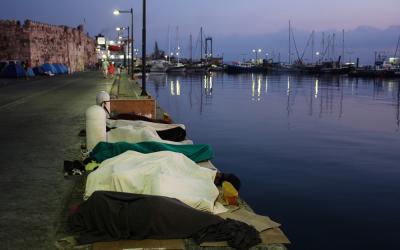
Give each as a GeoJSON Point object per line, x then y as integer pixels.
{"type": "Point", "coordinates": [41, 119]}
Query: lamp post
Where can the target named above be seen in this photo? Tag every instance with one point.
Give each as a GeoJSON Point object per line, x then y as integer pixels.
{"type": "Point", "coordinates": [117, 12]}
{"type": "Point", "coordinates": [256, 51]}
{"type": "Point", "coordinates": [144, 93]}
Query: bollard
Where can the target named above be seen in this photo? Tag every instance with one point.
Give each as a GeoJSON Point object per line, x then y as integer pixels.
{"type": "Point", "coordinates": [95, 126]}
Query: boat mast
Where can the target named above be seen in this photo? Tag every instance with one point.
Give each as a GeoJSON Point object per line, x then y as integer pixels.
{"type": "Point", "coordinates": [177, 42]}
{"type": "Point", "coordinates": [333, 46]}
{"type": "Point", "coordinates": [397, 47]}
{"type": "Point", "coordinates": [343, 45]}
{"type": "Point", "coordinates": [169, 46]}
{"type": "Point", "coordinates": [290, 52]}
{"type": "Point", "coordinates": [323, 41]}
{"type": "Point", "coordinates": [191, 48]}
{"type": "Point", "coordinates": [312, 47]}
{"type": "Point", "coordinates": [201, 44]}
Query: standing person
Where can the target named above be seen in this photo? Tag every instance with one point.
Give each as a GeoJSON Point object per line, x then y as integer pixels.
{"type": "Point", "coordinates": [119, 70]}
{"type": "Point", "coordinates": [105, 68]}
{"type": "Point", "coordinates": [111, 69]}
{"type": "Point", "coordinates": [24, 65]}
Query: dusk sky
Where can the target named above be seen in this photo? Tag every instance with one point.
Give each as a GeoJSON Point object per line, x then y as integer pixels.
{"type": "Point", "coordinates": [221, 19]}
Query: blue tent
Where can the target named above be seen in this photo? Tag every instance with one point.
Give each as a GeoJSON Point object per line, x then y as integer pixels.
{"type": "Point", "coordinates": [30, 72]}
{"type": "Point", "coordinates": [49, 67]}
{"type": "Point", "coordinates": [38, 71]}
{"type": "Point", "coordinates": [58, 68]}
{"type": "Point", "coordinates": [13, 71]}
{"type": "Point", "coordinates": [65, 68]}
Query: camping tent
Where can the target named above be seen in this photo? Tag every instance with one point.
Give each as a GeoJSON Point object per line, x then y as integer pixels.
{"type": "Point", "coordinates": [47, 67]}
{"type": "Point", "coordinates": [59, 71]}
{"type": "Point", "coordinates": [30, 72]}
{"type": "Point", "coordinates": [13, 71]}
{"type": "Point", "coordinates": [38, 70]}
{"type": "Point", "coordinates": [64, 68]}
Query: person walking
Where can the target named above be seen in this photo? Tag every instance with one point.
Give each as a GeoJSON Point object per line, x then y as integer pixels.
{"type": "Point", "coordinates": [105, 65]}
{"type": "Point", "coordinates": [111, 69]}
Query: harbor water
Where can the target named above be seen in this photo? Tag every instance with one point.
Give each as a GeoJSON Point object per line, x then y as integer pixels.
{"type": "Point", "coordinates": [321, 155]}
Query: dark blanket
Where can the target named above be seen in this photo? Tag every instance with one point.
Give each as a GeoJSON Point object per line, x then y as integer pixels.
{"type": "Point", "coordinates": [173, 134]}
{"type": "Point", "coordinates": [109, 216]}
{"type": "Point", "coordinates": [239, 235]}
{"type": "Point", "coordinates": [176, 134]}
{"type": "Point", "coordinates": [105, 150]}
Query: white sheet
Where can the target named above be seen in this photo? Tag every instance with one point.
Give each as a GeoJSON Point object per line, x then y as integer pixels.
{"type": "Point", "coordinates": [133, 134]}
{"type": "Point", "coordinates": [141, 124]}
{"type": "Point", "coordinates": [162, 173]}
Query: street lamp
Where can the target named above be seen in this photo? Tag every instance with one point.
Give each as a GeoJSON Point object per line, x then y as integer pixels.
{"type": "Point", "coordinates": [129, 63]}
{"type": "Point", "coordinates": [256, 51]}
{"type": "Point", "coordinates": [117, 13]}
{"type": "Point", "coordinates": [144, 92]}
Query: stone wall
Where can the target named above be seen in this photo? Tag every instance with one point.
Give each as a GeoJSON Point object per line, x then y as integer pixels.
{"type": "Point", "coordinates": [44, 43]}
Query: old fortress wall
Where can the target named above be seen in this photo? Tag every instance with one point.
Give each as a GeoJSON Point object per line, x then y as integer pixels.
{"type": "Point", "coordinates": [45, 43]}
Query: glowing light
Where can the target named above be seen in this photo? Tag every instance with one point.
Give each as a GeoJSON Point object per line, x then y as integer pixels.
{"type": "Point", "coordinates": [316, 88]}
{"type": "Point", "coordinates": [259, 86]}
{"type": "Point", "coordinates": [172, 88]}
{"type": "Point", "coordinates": [116, 12]}
{"type": "Point", "coordinates": [118, 29]}
{"type": "Point", "coordinates": [253, 86]}
{"type": "Point", "coordinates": [178, 88]}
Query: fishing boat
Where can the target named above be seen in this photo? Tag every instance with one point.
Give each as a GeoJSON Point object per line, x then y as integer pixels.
{"type": "Point", "coordinates": [159, 66]}
{"type": "Point", "coordinates": [177, 68]}
{"type": "Point", "coordinates": [197, 68]}
{"type": "Point", "coordinates": [246, 67]}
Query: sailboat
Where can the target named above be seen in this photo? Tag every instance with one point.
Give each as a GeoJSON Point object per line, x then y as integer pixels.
{"type": "Point", "coordinates": [198, 67]}
{"type": "Point", "coordinates": [178, 67]}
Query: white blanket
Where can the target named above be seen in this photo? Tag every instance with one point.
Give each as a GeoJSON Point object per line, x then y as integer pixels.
{"type": "Point", "coordinates": [162, 173]}
{"type": "Point", "coordinates": [133, 134]}
{"type": "Point", "coordinates": [141, 124]}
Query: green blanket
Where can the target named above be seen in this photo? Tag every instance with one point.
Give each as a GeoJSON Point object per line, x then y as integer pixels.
{"type": "Point", "coordinates": [106, 150]}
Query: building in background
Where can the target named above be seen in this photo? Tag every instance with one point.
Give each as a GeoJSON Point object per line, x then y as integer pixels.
{"type": "Point", "coordinates": [41, 43]}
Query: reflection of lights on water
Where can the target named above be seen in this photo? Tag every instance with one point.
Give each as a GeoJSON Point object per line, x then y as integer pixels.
{"type": "Point", "coordinates": [259, 87]}
{"type": "Point", "coordinates": [178, 88]}
{"type": "Point", "coordinates": [252, 86]}
{"type": "Point", "coordinates": [172, 88]}
{"type": "Point", "coordinates": [211, 82]}
{"type": "Point", "coordinates": [266, 85]}
{"type": "Point", "coordinates": [390, 86]}
{"type": "Point", "coordinates": [205, 81]}
{"type": "Point", "coordinates": [288, 85]}
{"type": "Point", "coordinates": [316, 88]}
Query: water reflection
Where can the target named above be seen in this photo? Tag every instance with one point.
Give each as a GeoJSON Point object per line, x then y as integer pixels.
{"type": "Point", "coordinates": [334, 97]}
